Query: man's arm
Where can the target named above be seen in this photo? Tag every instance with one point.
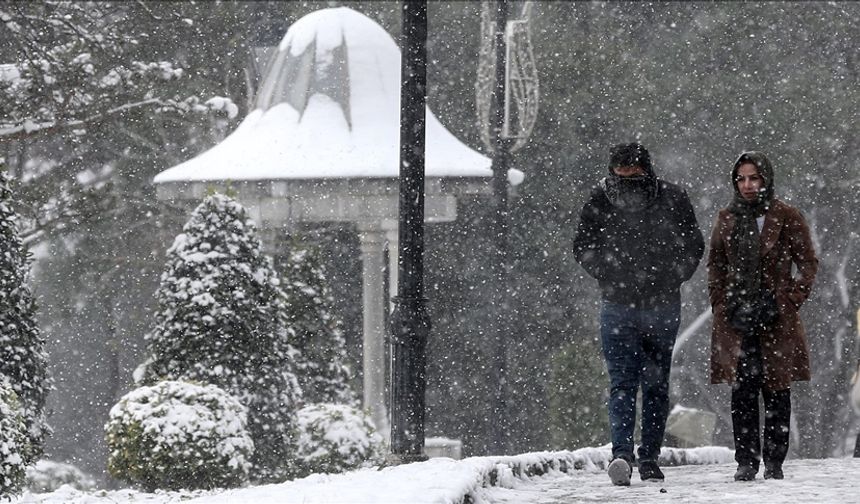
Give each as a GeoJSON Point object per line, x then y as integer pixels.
{"type": "Point", "coordinates": [692, 241]}
{"type": "Point", "coordinates": [588, 245]}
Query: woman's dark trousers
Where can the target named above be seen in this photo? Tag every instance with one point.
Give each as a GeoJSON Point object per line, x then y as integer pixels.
{"type": "Point", "coordinates": [745, 411]}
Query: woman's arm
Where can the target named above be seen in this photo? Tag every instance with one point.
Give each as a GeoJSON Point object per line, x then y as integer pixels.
{"type": "Point", "coordinates": [803, 255]}
{"type": "Point", "coordinates": [718, 266]}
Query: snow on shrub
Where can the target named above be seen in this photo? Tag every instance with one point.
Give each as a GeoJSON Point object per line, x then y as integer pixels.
{"type": "Point", "coordinates": [314, 329]}
{"type": "Point", "coordinates": [47, 476]}
{"type": "Point", "coordinates": [14, 443]}
{"type": "Point", "coordinates": [220, 321]}
{"type": "Point", "coordinates": [22, 348]}
{"type": "Point", "coordinates": [176, 435]}
{"type": "Point", "coordinates": [335, 438]}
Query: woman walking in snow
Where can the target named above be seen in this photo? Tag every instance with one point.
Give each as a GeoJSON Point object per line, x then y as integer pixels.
{"type": "Point", "coordinates": [758, 344]}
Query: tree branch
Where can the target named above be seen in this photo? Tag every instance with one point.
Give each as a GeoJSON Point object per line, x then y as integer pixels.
{"type": "Point", "coordinates": [31, 130]}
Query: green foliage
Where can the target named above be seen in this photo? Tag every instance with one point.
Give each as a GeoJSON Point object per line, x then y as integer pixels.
{"type": "Point", "coordinates": [22, 349]}
{"type": "Point", "coordinates": [66, 78]}
{"type": "Point", "coordinates": [578, 392]}
{"type": "Point", "coordinates": [15, 447]}
{"type": "Point", "coordinates": [177, 435]}
{"type": "Point", "coordinates": [334, 438]}
{"type": "Point", "coordinates": [220, 321]}
{"type": "Point", "coordinates": [111, 93]}
{"type": "Point", "coordinates": [314, 329]}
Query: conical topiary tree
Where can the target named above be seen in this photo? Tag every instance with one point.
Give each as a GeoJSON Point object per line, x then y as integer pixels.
{"type": "Point", "coordinates": [220, 321]}
{"type": "Point", "coordinates": [23, 360]}
{"type": "Point", "coordinates": [314, 329]}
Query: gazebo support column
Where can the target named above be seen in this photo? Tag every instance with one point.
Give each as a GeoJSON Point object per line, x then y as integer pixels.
{"type": "Point", "coordinates": [391, 237]}
{"type": "Point", "coordinates": [372, 243]}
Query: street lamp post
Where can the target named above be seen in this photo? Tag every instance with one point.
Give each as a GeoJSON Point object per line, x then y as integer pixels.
{"type": "Point", "coordinates": [501, 302]}
{"type": "Point", "coordinates": [410, 322]}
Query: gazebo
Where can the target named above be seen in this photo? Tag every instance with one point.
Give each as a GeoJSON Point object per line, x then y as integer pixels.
{"type": "Point", "coordinates": [322, 145]}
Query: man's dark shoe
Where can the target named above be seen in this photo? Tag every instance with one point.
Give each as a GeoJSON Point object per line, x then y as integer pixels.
{"type": "Point", "coordinates": [650, 471]}
{"type": "Point", "coordinates": [773, 471]}
{"type": "Point", "coordinates": [745, 473]}
{"type": "Point", "coordinates": [619, 471]}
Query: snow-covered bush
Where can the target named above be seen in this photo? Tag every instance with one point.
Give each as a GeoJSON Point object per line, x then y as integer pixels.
{"type": "Point", "coordinates": [47, 476]}
{"type": "Point", "coordinates": [22, 348]}
{"type": "Point", "coordinates": [220, 321]}
{"type": "Point", "coordinates": [335, 438]}
{"type": "Point", "coordinates": [314, 329]}
{"type": "Point", "coordinates": [176, 435]}
{"type": "Point", "coordinates": [14, 445]}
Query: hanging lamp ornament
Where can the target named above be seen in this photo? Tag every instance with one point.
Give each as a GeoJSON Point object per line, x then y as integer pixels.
{"type": "Point", "coordinates": [522, 86]}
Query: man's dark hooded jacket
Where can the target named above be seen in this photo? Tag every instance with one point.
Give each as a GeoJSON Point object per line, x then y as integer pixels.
{"type": "Point", "coordinates": [639, 257]}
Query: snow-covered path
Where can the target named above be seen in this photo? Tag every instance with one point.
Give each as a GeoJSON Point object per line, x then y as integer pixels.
{"type": "Point", "coordinates": [505, 480]}
{"type": "Point", "coordinates": [806, 481]}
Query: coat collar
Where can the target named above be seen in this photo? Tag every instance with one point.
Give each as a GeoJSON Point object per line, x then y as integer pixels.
{"type": "Point", "coordinates": [772, 224]}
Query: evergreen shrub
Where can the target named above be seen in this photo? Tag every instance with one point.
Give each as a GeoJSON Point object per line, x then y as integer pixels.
{"type": "Point", "coordinates": [177, 435]}
{"type": "Point", "coordinates": [46, 476]}
{"type": "Point", "coordinates": [14, 444]}
{"type": "Point", "coordinates": [335, 438]}
{"type": "Point", "coordinates": [220, 321]}
{"type": "Point", "coordinates": [22, 348]}
{"type": "Point", "coordinates": [314, 329]}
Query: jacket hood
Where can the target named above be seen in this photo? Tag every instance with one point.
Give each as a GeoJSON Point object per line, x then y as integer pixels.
{"type": "Point", "coordinates": [765, 170]}
{"type": "Point", "coordinates": [631, 154]}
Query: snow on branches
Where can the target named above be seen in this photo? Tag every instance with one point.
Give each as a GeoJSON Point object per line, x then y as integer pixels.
{"type": "Point", "coordinates": [314, 329]}
{"type": "Point", "coordinates": [23, 360]}
{"type": "Point", "coordinates": [336, 438]}
{"type": "Point", "coordinates": [14, 446]}
{"type": "Point", "coordinates": [176, 435]}
{"type": "Point", "coordinates": [77, 66]}
{"type": "Point", "coordinates": [219, 321]}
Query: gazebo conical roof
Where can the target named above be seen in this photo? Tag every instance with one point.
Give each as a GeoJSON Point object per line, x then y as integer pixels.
{"type": "Point", "coordinates": [328, 108]}
{"type": "Point", "coordinates": [323, 145]}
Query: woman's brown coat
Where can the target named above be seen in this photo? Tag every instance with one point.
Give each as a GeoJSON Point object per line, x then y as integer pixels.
{"type": "Point", "coordinates": [784, 240]}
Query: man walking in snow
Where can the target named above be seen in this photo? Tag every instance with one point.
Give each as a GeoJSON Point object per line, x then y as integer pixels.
{"type": "Point", "coordinates": [639, 238]}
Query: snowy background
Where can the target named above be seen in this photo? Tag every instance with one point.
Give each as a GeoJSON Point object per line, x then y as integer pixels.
{"type": "Point", "coordinates": [98, 98]}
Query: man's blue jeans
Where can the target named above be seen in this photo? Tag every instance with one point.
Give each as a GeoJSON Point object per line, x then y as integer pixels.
{"type": "Point", "coordinates": [637, 346]}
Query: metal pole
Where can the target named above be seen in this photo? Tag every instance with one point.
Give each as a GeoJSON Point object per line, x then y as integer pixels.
{"type": "Point", "coordinates": [410, 323]}
{"type": "Point", "coordinates": [501, 306]}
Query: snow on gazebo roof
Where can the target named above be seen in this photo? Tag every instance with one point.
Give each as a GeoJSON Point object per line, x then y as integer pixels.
{"type": "Point", "coordinates": [328, 108]}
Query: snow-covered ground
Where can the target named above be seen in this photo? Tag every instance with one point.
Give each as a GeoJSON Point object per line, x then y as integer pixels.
{"type": "Point", "coordinates": [529, 478]}
{"type": "Point", "coordinates": [807, 481]}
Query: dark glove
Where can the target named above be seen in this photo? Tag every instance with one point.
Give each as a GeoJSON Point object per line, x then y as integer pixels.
{"type": "Point", "coordinates": [743, 317]}
{"type": "Point", "coordinates": [768, 310]}
{"type": "Point", "coordinates": [763, 313]}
